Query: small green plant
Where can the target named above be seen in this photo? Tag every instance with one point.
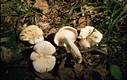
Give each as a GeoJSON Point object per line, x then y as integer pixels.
{"type": "Point", "coordinates": [115, 72]}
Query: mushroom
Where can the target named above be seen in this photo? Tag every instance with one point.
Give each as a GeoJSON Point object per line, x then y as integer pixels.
{"type": "Point", "coordinates": [33, 34]}
{"type": "Point", "coordinates": [44, 48]}
{"type": "Point", "coordinates": [42, 58]}
{"type": "Point", "coordinates": [66, 37]}
{"type": "Point", "coordinates": [89, 36]}
{"type": "Point", "coordinates": [43, 63]}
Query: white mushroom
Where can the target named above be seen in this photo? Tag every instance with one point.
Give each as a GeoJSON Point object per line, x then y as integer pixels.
{"type": "Point", "coordinates": [89, 36]}
{"type": "Point", "coordinates": [44, 48]}
{"type": "Point", "coordinates": [66, 37]}
{"type": "Point", "coordinates": [34, 56]}
{"type": "Point", "coordinates": [43, 61]}
{"type": "Point", "coordinates": [33, 34]}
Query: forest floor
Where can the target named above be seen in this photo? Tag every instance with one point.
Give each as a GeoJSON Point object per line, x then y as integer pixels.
{"type": "Point", "coordinates": [107, 61]}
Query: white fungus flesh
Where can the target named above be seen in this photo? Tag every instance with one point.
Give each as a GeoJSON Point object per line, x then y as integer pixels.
{"type": "Point", "coordinates": [44, 48]}
{"type": "Point", "coordinates": [44, 64]}
{"type": "Point", "coordinates": [89, 36]}
{"type": "Point", "coordinates": [66, 37]}
{"type": "Point", "coordinates": [34, 56]}
{"type": "Point", "coordinates": [42, 58]}
{"type": "Point", "coordinates": [33, 34]}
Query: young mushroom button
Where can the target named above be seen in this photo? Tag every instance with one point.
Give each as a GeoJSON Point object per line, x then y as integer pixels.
{"type": "Point", "coordinates": [66, 37]}
{"type": "Point", "coordinates": [89, 36]}
{"type": "Point", "coordinates": [33, 34]}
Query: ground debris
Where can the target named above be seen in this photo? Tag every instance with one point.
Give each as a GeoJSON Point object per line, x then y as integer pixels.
{"type": "Point", "coordinates": [42, 5]}
{"type": "Point", "coordinates": [102, 70]}
{"type": "Point", "coordinates": [6, 54]}
{"type": "Point", "coordinates": [45, 75]}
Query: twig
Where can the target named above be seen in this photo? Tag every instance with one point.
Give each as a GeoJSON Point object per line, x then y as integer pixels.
{"type": "Point", "coordinates": [94, 49]}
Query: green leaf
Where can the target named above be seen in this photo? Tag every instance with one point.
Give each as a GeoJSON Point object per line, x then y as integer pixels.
{"type": "Point", "coordinates": [115, 72]}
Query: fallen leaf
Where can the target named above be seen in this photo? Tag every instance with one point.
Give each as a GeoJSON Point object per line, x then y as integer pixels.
{"type": "Point", "coordinates": [81, 23]}
{"type": "Point", "coordinates": [74, 22]}
{"type": "Point", "coordinates": [7, 19]}
{"type": "Point", "coordinates": [42, 5]}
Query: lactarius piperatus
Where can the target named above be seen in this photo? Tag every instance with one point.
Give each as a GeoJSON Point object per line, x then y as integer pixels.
{"type": "Point", "coordinates": [42, 58]}
{"type": "Point", "coordinates": [33, 34]}
{"type": "Point", "coordinates": [89, 36]}
{"type": "Point", "coordinates": [66, 37]}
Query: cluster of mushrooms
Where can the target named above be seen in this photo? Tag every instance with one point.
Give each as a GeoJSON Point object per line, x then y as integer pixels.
{"type": "Point", "coordinates": [42, 56]}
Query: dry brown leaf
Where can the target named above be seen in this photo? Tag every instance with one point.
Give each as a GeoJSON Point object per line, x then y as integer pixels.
{"type": "Point", "coordinates": [42, 5]}
{"type": "Point", "coordinates": [82, 25]}
{"type": "Point", "coordinates": [7, 19]}
{"type": "Point", "coordinates": [74, 22]}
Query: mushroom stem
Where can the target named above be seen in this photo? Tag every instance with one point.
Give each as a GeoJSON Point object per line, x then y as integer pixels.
{"type": "Point", "coordinates": [73, 48]}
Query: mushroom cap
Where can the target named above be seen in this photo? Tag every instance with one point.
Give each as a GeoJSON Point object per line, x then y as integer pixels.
{"type": "Point", "coordinates": [96, 36]}
{"type": "Point", "coordinates": [34, 56]}
{"type": "Point", "coordinates": [44, 48]}
{"type": "Point", "coordinates": [89, 36]}
{"type": "Point", "coordinates": [44, 64]}
{"type": "Point", "coordinates": [84, 32]}
{"type": "Point", "coordinates": [65, 31]}
{"type": "Point", "coordinates": [33, 34]}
